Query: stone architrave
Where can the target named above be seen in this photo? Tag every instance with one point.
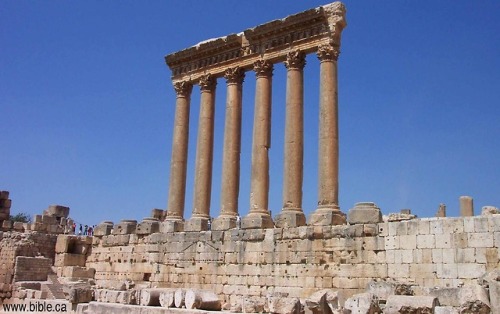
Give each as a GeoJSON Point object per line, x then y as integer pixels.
{"type": "Point", "coordinates": [328, 212]}
{"type": "Point", "coordinates": [232, 150]}
{"type": "Point", "coordinates": [204, 156]}
{"type": "Point", "coordinates": [292, 214]}
{"type": "Point", "coordinates": [259, 216]}
{"type": "Point", "coordinates": [178, 164]}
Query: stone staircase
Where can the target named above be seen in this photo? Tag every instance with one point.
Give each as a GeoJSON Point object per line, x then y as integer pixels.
{"type": "Point", "coordinates": [54, 289]}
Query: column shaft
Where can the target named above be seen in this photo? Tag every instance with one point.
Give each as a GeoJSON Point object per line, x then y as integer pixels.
{"type": "Point", "coordinates": [292, 215]}
{"type": "Point", "coordinates": [328, 166]}
{"type": "Point", "coordinates": [259, 216]}
{"type": "Point", "coordinates": [232, 143]}
{"type": "Point", "coordinates": [204, 148]}
{"type": "Point", "coordinates": [178, 164]}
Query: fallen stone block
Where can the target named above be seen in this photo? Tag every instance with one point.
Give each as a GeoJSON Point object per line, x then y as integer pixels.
{"type": "Point", "coordinates": [284, 305]}
{"type": "Point", "coordinates": [474, 307]}
{"type": "Point", "coordinates": [202, 300]}
{"type": "Point", "coordinates": [363, 303]}
{"type": "Point", "coordinates": [323, 301]}
{"type": "Point", "coordinates": [381, 289]}
{"type": "Point", "coordinates": [409, 304]}
{"type": "Point", "coordinates": [489, 210]}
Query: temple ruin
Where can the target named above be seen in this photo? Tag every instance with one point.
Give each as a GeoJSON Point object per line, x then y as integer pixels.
{"type": "Point", "coordinates": [331, 262]}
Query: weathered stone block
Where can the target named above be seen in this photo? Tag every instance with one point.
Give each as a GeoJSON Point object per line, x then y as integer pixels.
{"type": "Point", "coordinates": [157, 213]}
{"type": "Point", "coordinates": [257, 222]}
{"type": "Point", "coordinates": [171, 226]}
{"type": "Point", "coordinates": [103, 229]}
{"type": "Point", "coordinates": [224, 223]}
{"type": "Point", "coordinates": [125, 227]}
{"type": "Point", "coordinates": [148, 226]}
{"type": "Point", "coordinates": [66, 259]}
{"type": "Point", "coordinates": [327, 218]}
{"type": "Point", "coordinates": [57, 211]}
{"type": "Point", "coordinates": [78, 272]}
{"type": "Point", "coordinates": [397, 303]}
{"type": "Point", "coordinates": [290, 219]}
{"type": "Point", "coordinates": [362, 303]}
{"type": "Point", "coordinates": [196, 224]}
{"type": "Point", "coordinates": [4, 195]}
{"type": "Point", "coordinates": [364, 213]}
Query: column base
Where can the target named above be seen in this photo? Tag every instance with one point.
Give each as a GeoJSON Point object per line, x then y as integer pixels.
{"type": "Point", "coordinates": [171, 226]}
{"type": "Point", "coordinates": [257, 221]}
{"type": "Point", "coordinates": [196, 224]}
{"type": "Point", "coordinates": [224, 223]}
{"type": "Point", "coordinates": [327, 217]}
{"type": "Point", "coordinates": [290, 218]}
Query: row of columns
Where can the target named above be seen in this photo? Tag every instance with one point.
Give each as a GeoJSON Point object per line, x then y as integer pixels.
{"type": "Point", "coordinates": [328, 211]}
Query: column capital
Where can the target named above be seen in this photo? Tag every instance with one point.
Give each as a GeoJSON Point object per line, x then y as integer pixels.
{"type": "Point", "coordinates": [207, 83]}
{"type": "Point", "coordinates": [263, 68]}
{"type": "Point", "coordinates": [295, 60]}
{"type": "Point", "coordinates": [328, 52]}
{"type": "Point", "coordinates": [183, 88]}
{"type": "Point", "coordinates": [234, 75]}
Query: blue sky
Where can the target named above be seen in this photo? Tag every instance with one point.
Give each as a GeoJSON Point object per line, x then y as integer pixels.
{"type": "Point", "coordinates": [87, 104]}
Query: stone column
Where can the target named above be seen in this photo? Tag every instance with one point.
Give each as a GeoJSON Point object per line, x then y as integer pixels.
{"type": "Point", "coordinates": [328, 211]}
{"type": "Point", "coordinates": [204, 156]}
{"type": "Point", "coordinates": [259, 216]}
{"type": "Point", "coordinates": [232, 149]}
{"type": "Point", "coordinates": [466, 206]}
{"type": "Point", "coordinates": [292, 215]}
{"type": "Point", "coordinates": [178, 163]}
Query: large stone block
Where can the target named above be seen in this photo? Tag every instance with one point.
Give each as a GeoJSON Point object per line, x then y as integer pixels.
{"type": "Point", "coordinates": [66, 259]}
{"type": "Point", "coordinates": [290, 219]}
{"type": "Point", "coordinates": [125, 227]}
{"type": "Point", "coordinates": [196, 224]}
{"type": "Point", "coordinates": [57, 211]}
{"type": "Point", "coordinates": [103, 229]}
{"type": "Point", "coordinates": [78, 272]}
{"type": "Point", "coordinates": [257, 222]}
{"type": "Point", "coordinates": [362, 303]}
{"type": "Point", "coordinates": [4, 195]}
{"type": "Point", "coordinates": [148, 226]}
{"type": "Point", "coordinates": [398, 303]}
{"type": "Point", "coordinates": [327, 218]}
{"type": "Point", "coordinates": [364, 213]}
{"type": "Point", "coordinates": [171, 226]}
{"type": "Point", "coordinates": [224, 223]}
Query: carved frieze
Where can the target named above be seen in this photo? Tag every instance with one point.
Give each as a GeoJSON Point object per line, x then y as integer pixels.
{"type": "Point", "coordinates": [272, 41]}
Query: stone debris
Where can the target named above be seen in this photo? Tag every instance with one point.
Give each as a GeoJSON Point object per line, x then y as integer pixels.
{"type": "Point", "coordinates": [363, 303]}
{"type": "Point", "coordinates": [410, 304]}
{"type": "Point", "coordinates": [489, 210]}
{"type": "Point", "coordinates": [283, 305]}
{"type": "Point", "coordinates": [400, 217]}
{"type": "Point", "coordinates": [323, 302]}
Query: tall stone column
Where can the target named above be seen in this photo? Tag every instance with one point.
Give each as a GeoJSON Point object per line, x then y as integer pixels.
{"type": "Point", "coordinates": [259, 216]}
{"type": "Point", "coordinates": [204, 156]}
{"type": "Point", "coordinates": [178, 163]}
{"type": "Point", "coordinates": [232, 149]}
{"type": "Point", "coordinates": [292, 214]}
{"type": "Point", "coordinates": [328, 211]}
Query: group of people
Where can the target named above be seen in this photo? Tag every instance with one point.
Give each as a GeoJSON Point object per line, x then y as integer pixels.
{"type": "Point", "coordinates": [85, 230]}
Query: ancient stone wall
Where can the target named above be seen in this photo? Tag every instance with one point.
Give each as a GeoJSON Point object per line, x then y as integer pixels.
{"type": "Point", "coordinates": [32, 268]}
{"type": "Point", "coordinates": [446, 252]}
{"type": "Point", "coordinates": [14, 244]}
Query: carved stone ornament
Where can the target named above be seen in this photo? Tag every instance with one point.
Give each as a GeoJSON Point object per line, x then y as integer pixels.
{"type": "Point", "coordinates": [295, 60]}
{"type": "Point", "coordinates": [207, 82]}
{"type": "Point", "coordinates": [263, 68]}
{"type": "Point", "coordinates": [183, 88]}
{"type": "Point", "coordinates": [328, 53]}
{"type": "Point", "coordinates": [234, 75]}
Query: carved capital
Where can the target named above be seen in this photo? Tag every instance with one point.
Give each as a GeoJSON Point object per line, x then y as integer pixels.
{"type": "Point", "coordinates": [234, 75]}
{"type": "Point", "coordinates": [328, 53]}
{"type": "Point", "coordinates": [263, 68]}
{"type": "Point", "coordinates": [183, 89]}
{"type": "Point", "coordinates": [207, 83]}
{"type": "Point", "coordinates": [295, 60]}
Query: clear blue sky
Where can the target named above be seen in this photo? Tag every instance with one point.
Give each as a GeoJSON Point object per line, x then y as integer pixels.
{"type": "Point", "coordinates": [87, 105]}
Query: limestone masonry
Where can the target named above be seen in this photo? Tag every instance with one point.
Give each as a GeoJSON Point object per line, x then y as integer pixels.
{"type": "Point", "coordinates": [331, 262]}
